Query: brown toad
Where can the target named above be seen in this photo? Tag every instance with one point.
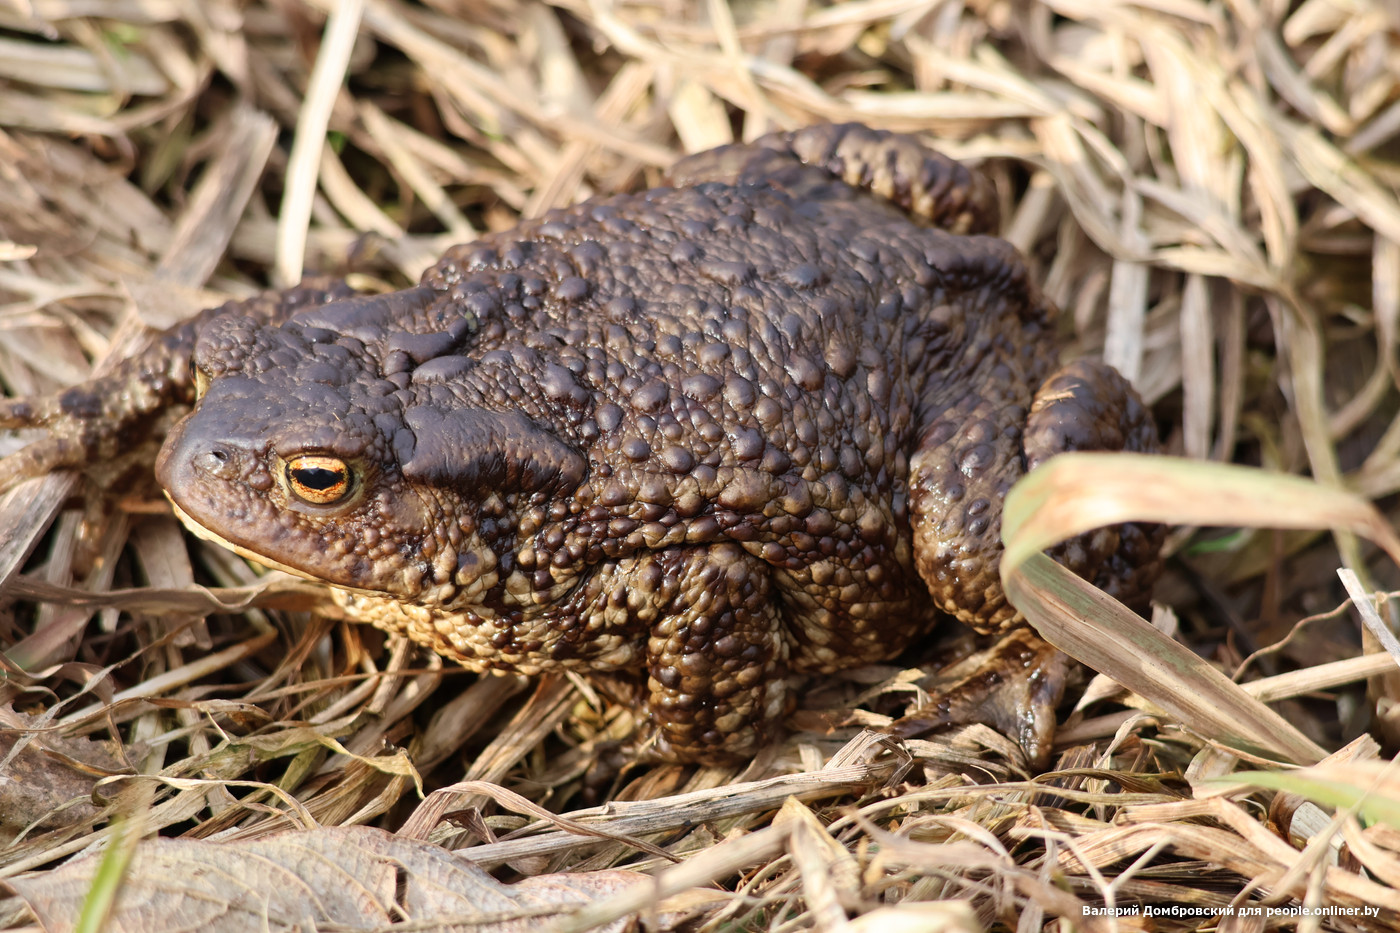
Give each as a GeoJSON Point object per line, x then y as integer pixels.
{"type": "Point", "coordinates": [706, 436]}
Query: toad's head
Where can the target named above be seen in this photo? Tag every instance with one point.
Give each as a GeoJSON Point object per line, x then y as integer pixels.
{"type": "Point", "coordinates": [322, 448]}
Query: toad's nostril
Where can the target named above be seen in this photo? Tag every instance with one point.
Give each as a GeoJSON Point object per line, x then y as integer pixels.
{"type": "Point", "coordinates": [217, 461]}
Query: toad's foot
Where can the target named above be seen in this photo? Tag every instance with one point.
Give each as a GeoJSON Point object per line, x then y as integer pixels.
{"type": "Point", "coordinates": [1013, 685]}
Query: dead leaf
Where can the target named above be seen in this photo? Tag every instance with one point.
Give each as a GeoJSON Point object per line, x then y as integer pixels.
{"type": "Point", "coordinates": [348, 878]}
{"type": "Point", "coordinates": [46, 779]}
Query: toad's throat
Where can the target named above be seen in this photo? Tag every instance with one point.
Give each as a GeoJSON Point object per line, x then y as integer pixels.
{"type": "Point", "coordinates": [203, 531]}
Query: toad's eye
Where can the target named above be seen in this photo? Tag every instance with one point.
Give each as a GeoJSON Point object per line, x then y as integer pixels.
{"type": "Point", "coordinates": [318, 479]}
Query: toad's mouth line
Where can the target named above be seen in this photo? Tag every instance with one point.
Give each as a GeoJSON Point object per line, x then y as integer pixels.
{"type": "Point", "coordinates": [201, 531]}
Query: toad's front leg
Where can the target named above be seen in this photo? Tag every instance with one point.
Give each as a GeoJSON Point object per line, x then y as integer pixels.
{"type": "Point", "coordinates": [114, 423]}
{"type": "Point", "coordinates": [716, 656]}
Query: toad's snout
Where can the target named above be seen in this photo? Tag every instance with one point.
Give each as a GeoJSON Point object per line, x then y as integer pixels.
{"type": "Point", "coordinates": [172, 462]}
{"type": "Point", "coordinates": [194, 466]}
{"type": "Point", "coordinates": [176, 462]}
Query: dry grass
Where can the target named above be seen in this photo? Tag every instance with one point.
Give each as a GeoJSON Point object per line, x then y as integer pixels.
{"type": "Point", "coordinates": [1207, 190]}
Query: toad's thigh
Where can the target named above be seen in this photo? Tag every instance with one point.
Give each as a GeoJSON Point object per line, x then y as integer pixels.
{"type": "Point", "coordinates": [717, 655]}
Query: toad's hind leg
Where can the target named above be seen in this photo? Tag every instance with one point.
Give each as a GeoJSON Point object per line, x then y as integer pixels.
{"type": "Point", "coordinates": [893, 167]}
{"type": "Point", "coordinates": [716, 657]}
{"type": "Point", "coordinates": [968, 458]}
{"type": "Point", "coordinates": [972, 453]}
{"type": "Point", "coordinates": [1088, 405]}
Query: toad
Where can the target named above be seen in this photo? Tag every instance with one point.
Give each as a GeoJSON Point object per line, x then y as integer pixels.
{"type": "Point", "coordinates": [706, 438]}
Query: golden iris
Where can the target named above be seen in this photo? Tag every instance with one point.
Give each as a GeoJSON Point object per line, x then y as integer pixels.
{"type": "Point", "coordinates": [319, 479]}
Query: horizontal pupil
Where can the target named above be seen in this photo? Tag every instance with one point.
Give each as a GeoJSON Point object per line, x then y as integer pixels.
{"type": "Point", "coordinates": [317, 478]}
